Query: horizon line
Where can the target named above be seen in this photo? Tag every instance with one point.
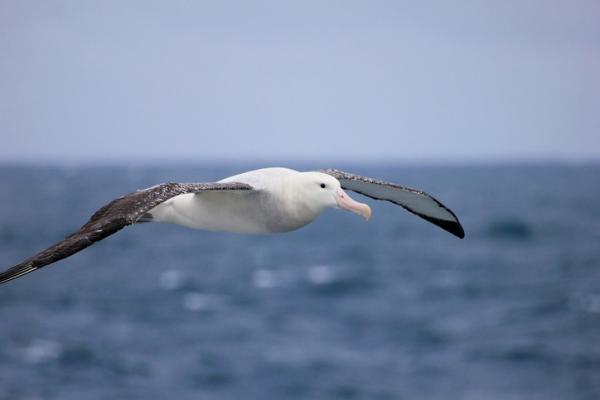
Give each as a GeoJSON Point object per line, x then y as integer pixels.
{"type": "Point", "coordinates": [223, 161]}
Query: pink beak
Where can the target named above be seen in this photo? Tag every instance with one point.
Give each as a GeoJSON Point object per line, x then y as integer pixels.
{"type": "Point", "coordinates": [345, 202]}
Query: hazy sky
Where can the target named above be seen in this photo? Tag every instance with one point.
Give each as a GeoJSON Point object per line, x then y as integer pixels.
{"type": "Point", "coordinates": [368, 80]}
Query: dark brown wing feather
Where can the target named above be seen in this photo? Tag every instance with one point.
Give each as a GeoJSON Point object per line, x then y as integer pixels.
{"type": "Point", "coordinates": [414, 200]}
{"type": "Point", "coordinates": [111, 218]}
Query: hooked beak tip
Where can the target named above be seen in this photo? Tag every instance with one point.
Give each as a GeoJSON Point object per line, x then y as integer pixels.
{"type": "Point", "coordinates": [344, 201]}
{"type": "Point", "coordinates": [366, 213]}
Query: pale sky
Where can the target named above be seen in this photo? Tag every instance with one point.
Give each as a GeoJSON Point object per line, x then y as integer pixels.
{"type": "Point", "coordinates": [367, 80]}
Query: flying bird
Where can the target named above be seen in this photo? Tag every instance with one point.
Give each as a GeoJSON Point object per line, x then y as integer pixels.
{"type": "Point", "coordinates": [268, 200]}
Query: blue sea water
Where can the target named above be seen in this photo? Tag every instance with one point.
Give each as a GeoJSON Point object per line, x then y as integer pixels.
{"type": "Point", "coordinates": [342, 309]}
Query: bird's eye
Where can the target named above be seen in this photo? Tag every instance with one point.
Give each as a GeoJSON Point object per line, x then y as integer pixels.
{"type": "Point", "coordinates": [322, 186]}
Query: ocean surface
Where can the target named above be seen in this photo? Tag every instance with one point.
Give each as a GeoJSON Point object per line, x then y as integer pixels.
{"type": "Point", "coordinates": [393, 308]}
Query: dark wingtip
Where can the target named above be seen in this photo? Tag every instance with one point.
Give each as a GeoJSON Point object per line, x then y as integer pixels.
{"type": "Point", "coordinates": [454, 227]}
{"type": "Point", "coordinates": [459, 231]}
{"type": "Point", "coordinates": [16, 272]}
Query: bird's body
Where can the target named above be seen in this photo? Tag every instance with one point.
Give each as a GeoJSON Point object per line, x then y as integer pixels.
{"type": "Point", "coordinates": [273, 206]}
{"type": "Point", "coordinates": [268, 200]}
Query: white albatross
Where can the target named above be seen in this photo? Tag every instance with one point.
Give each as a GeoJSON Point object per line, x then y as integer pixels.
{"type": "Point", "coordinates": [269, 200]}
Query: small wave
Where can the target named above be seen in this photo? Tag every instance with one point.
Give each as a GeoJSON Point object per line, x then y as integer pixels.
{"type": "Point", "coordinates": [42, 350]}
{"type": "Point", "coordinates": [264, 279]}
{"type": "Point", "coordinates": [171, 279]}
{"type": "Point", "coordinates": [195, 301]}
{"type": "Point", "coordinates": [324, 280]}
{"type": "Point", "coordinates": [510, 228]}
{"type": "Point", "coordinates": [531, 353]}
{"type": "Point", "coordinates": [78, 356]}
{"type": "Point", "coordinates": [588, 302]}
{"type": "Point", "coordinates": [320, 274]}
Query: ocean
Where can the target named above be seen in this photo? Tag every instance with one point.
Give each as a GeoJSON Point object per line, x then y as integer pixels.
{"type": "Point", "coordinates": [393, 308]}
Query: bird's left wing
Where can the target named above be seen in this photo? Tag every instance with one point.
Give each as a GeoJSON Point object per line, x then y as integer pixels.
{"type": "Point", "coordinates": [111, 218]}
{"type": "Point", "coordinates": [414, 200]}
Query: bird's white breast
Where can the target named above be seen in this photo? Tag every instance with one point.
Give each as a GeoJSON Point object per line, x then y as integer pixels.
{"type": "Point", "coordinates": [269, 208]}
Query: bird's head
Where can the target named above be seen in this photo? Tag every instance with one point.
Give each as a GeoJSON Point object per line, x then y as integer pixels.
{"type": "Point", "coordinates": [324, 191]}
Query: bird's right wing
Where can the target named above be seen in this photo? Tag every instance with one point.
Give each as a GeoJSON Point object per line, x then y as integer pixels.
{"type": "Point", "coordinates": [111, 218]}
